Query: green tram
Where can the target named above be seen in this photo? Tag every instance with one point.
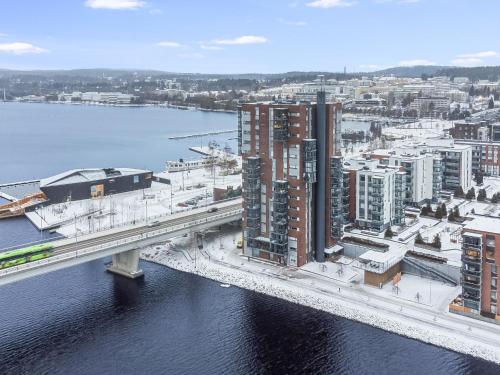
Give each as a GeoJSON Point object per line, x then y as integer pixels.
{"type": "Point", "coordinates": [25, 255]}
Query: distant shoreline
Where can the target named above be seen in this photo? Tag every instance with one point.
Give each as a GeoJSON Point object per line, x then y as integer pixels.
{"type": "Point", "coordinates": [94, 104]}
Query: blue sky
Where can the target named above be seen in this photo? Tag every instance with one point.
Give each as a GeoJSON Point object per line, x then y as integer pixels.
{"type": "Point", "coordinates": [237, 36]}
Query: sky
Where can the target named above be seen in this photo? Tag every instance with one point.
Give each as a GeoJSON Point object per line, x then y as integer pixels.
{"type": "Point", "coordinates": [247, 36]}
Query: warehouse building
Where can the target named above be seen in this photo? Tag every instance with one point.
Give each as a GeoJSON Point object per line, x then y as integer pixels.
{"type": "Point", "coordinates": [81, 184]}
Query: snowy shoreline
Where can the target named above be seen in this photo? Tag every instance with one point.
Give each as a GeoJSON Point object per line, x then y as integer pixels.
{"type": "Point", "coordinates": [318, 299]}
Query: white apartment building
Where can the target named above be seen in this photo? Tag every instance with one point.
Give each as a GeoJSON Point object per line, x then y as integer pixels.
{"type": "Point", "coordinates": [423, 176]}
{"type": "Point", "coordinates": [379, 194]}
{"type": "Point", "coordinates": [457, 167]}
{"type": "Point", "coordinates": [425, 103]}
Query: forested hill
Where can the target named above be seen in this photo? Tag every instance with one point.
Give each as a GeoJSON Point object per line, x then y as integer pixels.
{"type": "Point", "coordinates": [491, 73]}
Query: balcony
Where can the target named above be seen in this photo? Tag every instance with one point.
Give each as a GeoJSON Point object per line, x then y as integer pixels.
{"type": "Point", "coordinates": [471, 281]}
{"type": "Point", "coordinates": [471, 259]}
{"type": "Point", "coordinates": [472, 271]}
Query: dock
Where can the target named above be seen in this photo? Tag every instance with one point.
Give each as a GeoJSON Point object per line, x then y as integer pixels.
{"type": "Point", "coordinates": [197, 135]}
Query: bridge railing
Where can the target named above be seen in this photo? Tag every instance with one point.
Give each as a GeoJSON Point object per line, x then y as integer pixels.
{"type": "Point", "coordinates": [97, 248]}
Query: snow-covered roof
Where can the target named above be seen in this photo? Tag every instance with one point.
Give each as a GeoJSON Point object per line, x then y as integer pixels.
{"type": "Point", "coordinates": [489, 224]}
{"type": "Point", "coordinates": [333, 250]}
{"type": "Point", "coordinates": [378, 256]}
{"type": "Point", "coordinates": [75, 176]}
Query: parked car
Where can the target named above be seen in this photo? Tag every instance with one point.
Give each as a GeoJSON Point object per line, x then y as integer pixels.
{"type": "Point", "coordinates": [212, 209]}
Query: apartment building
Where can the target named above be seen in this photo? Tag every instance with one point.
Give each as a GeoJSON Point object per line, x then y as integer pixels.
{"type": "Point", "coordinates": [431, 103]}
{"type": "Point", "coordinates": [480, 266]}
{"type": "Point", "coordinates": [376, 194]}
{"type": "Point", "coordinates": [470, 130]}
{"type": "Point", "coordinates": [485, 156]}
{"type": "Point", "coordinates": [376, 205]}
{"type": "Point", "coordinates": [423, 179]}
{"type": "Point", "coordinates": [290, 179]}
{"type": "Point", "coordinates": [457, 166]}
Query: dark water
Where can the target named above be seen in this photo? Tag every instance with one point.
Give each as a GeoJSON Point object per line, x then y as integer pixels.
{"type": "Point", "coordinates": [82, 320]}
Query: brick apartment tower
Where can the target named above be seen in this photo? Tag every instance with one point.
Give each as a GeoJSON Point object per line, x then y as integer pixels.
{"type": "Point", "coordinates": [481, 265]}
{"type": "Point", "coordinates": [288, 151]}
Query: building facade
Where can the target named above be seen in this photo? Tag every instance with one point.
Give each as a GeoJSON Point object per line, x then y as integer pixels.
{"type": "Point", "coordinates": [82, 184]}
{"type": "Point", "coordinates": [480, 266]}
{"type": "Point", "coordinates": [288, 179]}
{"type": "Point", "coordinates": [485, 156]}
{"type": "Point", "coordinates": [457, 167]}
{"type": "Point", "coordinates": [379, 197]}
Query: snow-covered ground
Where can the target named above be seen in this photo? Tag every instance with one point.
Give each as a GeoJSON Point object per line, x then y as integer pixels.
{"type": "Point", "coordinates": [189, 189]}
{"type": "Point", "coordinates": [419, 131]}
{"type": "Point", "coordinates": [425, 318]}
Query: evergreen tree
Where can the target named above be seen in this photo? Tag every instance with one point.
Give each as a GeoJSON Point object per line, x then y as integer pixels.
{"type": "Point", "coordinates": [419, 239]}
{"type": "Point", "coordinates": [495, 198]}
{"type": "Point", "coordinates": [443, 209]}
{"type": "Point", "coordinates": [491, 103]}
{"type": "Point", "coordinates": [424, 211]}
{"type": "Point", "coordinates": [429, 207]}
{"type": "Point", "coordinates": [439, 213]}
{"type": "Point", "coordinates": [436, 242]}
{"type": "Point", "coordinates": [389, 233]}
{"type": "Point", "coordinates": [451, 215]}
{"type": "Point", "coordinates": [456, 213]}
{"type": "Point", "coordinates": [471, 194]}
{"type": "Point", "coordinates": [481, 195]}
{"type": "Point", "coordinates": [459, 192]}
{"type": "Point", "coordinates": [472, 92]}
{"type": "Point", "coordinates": [478, 177]}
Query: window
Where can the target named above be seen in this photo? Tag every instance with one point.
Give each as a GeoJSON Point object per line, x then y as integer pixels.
{"type": "Point", "coordinates": [136, 179]}
{"type": "Point", "coordinates": [494, 296]}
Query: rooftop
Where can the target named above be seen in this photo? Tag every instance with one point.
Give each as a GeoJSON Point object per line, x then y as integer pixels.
{"type": "Point", "coordinates": [75, 176]}
{"type": "Point", "coordinates": [487, 224]}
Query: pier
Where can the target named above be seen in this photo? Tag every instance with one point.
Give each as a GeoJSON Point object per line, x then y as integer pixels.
{"type": "Point", "coordinates": [196, 135]}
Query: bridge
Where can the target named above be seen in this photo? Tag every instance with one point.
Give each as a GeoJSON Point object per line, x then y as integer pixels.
{"type": "Point", "coordinates": [124, 244]}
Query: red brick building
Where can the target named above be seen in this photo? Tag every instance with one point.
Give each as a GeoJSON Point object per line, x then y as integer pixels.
{"type": "Point", "coordinates": [287, 151]}
{"type": "Point", "coordinates": [481, 265]}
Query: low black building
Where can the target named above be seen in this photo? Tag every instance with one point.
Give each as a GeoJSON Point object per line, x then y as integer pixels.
{"type": "Point", "coordinates": [81, 184]}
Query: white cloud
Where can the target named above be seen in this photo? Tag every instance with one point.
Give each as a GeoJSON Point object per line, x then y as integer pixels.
{"type": "Point", "coordinates": [470, 61]}
{"type": "Point", "coordinates": [156, 11]}
{"type": "Point", "coordinates": [115, 4]}
{"type": "Point", "coordinates": [474, 59]}
{"type": "Point", "coordinates": [2, 35]}
{"type": "Point", "coordinates": [210, 48]}
{"type": "Point", "coordinates": [479, 55]}
{"type": "Point", "coordinates": [20, 48]}
{"type": "Point", "coordinates": [416, 62]}
{"type": "Point", "coordinates": [331, 3]}
{"type": "Point", "coordinates": [245, 39]}
{"type": "Point", "coordinates": [169, 44]}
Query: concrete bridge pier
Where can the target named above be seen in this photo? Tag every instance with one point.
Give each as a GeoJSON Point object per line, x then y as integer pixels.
{"type": "Point", "coordinates": [126, 264]}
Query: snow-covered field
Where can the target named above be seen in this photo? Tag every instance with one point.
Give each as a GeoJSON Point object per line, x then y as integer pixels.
{"type": "Point", "coordinates": [425, 319]}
